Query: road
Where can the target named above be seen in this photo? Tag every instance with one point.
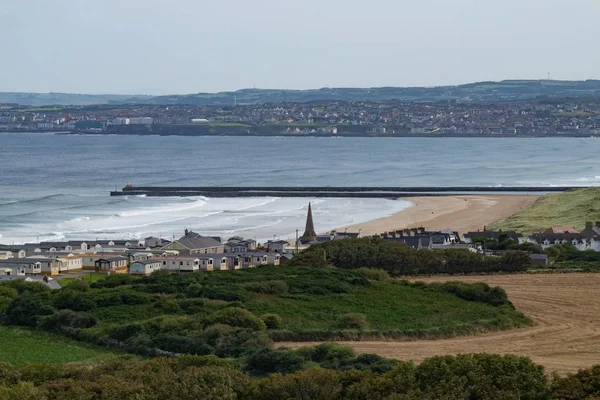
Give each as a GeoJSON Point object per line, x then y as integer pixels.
{"type": "Point", "coordinates": [565, 335]}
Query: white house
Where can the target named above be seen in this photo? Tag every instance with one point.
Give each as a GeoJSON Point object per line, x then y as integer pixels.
{"type": "Point", "coordinates": [145, 267]}
{"type": "Point", "coordinates": [27, 266]}
{"type": "Point", "coordinates": [181, 264]}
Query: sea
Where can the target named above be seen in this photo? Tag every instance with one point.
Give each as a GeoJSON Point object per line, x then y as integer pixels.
{"type": "Point", "coordinates": [56, 187]}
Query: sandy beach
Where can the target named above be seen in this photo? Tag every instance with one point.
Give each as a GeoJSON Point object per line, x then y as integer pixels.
{"type": "Point", "coordinates": [459, 213]}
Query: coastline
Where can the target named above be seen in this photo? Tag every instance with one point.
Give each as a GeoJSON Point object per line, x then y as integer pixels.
{"type": "Point", "coordinates": [459, 213]}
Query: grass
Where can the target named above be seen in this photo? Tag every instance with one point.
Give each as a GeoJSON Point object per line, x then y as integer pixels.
{"type": "Point", "coordinates": [22, 345]}
{"type": "Point", "coordinates": [573, 208]}
{"type": "Point", "coordinates": [387, 307]}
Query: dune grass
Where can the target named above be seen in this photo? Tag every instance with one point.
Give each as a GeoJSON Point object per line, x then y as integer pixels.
{"type": "Point", "coordinates": [23, 345]}
{"type": "Point", "coordinates": [573, 208]}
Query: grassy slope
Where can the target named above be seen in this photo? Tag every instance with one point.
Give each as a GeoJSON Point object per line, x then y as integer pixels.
{"type": "Point", "coordinates": [21, 345]}
{"type": "Point", "coordinates": [572, 208]}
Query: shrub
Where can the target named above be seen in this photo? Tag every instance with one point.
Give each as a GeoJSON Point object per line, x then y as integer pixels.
{"type": "Point", "coordinates": [20, 391]}
{"type": "Point", "coordinates": [167, 304]}
{"type": "Point", "coordinates": [32, 287]}
{"type": "Point", "coordinates": [268, 361]}
{"type": "Point", "coordinates": [478, 291]}
{"type": "Point", "coordinates": [268, 287]}
{"type": "Point", "coordinates": [78, 286]}
{"type": "Point", "coordinates": [482, 376]}
{"type": "Point", "coordinates": [184, 344]}
{"type": "Point", "coordinates": [374, 274]}
{"type": "Point", "coordinates": [69, 319]}
{"type": "Point", "coordinates": [222, 293]}
{"type": "Point", "coordinates": [114, 281]}
{"type": "Point", "coordinates": [302, 385]}
{"type": "Point", "coordinates": [9, 374]}
{"type": "Point", "coordinates": [585, 384]}
{"type": "Point", "coordinates": [238, 317]}
{"type": "Point", "coordinates": [194, 290]}
{"type": "Point", "coordinates": [370, 362]}
{"type": "Point", "coordinates": [213, 333]}
{"type": "Point", "coordinates": [352, 321]}
{"type": "Point", "coordinates": [272, 321]}
{"type": "Point", "coordinates": [28, 308]}
{"type": "Point", "coordinates": [329, 351]}
{"type": "Point", "coordinates": [74, 300]}
{"type": "Point", "coordinates": [239, 342]}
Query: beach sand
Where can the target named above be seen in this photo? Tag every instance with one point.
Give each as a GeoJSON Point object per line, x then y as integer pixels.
{"type": "Point", "coordinates": [459, 213]}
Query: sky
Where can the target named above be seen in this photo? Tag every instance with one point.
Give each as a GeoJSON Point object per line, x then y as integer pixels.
{"type": "Point", "coordinates": [191, 46]}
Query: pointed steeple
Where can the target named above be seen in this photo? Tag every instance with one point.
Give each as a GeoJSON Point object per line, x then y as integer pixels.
{"type": "Point", "coordinates": [309, 232]}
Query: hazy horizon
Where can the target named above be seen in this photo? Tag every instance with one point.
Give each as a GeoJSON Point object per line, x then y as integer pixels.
{"type": "Point", "coordinates": [156, 47]}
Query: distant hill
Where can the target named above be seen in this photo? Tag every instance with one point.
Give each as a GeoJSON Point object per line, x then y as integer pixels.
{"type": "Point", "coordinates": [510, 90]}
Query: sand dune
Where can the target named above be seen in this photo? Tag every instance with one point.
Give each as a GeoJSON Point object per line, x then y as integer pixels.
{"type": "Point", "coordinates": [460, 213]}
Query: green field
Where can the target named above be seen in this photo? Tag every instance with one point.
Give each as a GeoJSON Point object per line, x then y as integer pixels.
{"type": "Point", "coordinates": [573, 208]}
{"type": "Point", "coordinates": [22, 345]}
{"type": "Point", "coordinates": [388, 308]}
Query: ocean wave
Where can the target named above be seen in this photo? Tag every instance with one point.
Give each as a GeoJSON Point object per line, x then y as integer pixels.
{"type": "Point", "coordinates": [162, 210]}
{"type": "Point", "coordinates": [33, 200]}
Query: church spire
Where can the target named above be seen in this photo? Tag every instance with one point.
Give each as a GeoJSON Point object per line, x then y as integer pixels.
{"type": "Point", "coordinates": [309, 232]}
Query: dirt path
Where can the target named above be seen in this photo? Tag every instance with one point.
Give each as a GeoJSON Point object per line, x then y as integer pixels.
{"type": "Point", "coordinates": [565, 337]}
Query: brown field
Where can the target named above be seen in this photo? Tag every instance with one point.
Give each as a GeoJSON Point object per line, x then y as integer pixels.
{"type": "Point", "coordinates": [565, 336]}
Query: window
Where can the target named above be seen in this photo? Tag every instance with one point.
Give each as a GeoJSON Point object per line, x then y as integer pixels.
{"type": "Point", "coordinates": [164, 263]}
{"type": "Point", "coordinates": [180, 262]}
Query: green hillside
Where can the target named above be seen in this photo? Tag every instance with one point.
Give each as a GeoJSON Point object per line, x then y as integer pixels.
{"type": "Point", "coordinates": [509, 90]}
{"type": "Point", "coordinates": [573, 208]}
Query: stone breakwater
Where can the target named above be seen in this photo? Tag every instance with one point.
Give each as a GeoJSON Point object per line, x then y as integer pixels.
{"type": "Point", "coordinates": [331, 191]}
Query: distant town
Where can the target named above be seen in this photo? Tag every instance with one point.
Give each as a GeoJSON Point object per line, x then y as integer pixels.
{"type": "Point", "coordinates": [549, 117]}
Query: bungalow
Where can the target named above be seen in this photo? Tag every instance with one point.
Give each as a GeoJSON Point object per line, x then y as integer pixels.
{"type": "Point", "coordinates": [70, 263]}
{"type": "Point", "coordinates": [145, 267]}
{"type": "Point", "coordinates": [17, 251]}
{"type": "Point", "coordinates": [27, 266]}
{"type": "Point", "coordinates": [181, 264]}
{"type": "Point", "coordinates": [5, 254]}
{"type": "Point", "coordinates": [12, 271]}
{"type": "Point", "coordinates": [192, 243]}
{"type": "Point", "coordinates": [252, 260]}
{"type": "Point", "coordinates": [49, 265]}
{"type": "Point", "coordinates": [111, 264]}
{"type": "Point", "coordinates": [212, 262]}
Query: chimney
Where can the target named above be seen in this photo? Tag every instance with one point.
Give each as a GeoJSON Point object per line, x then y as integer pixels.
{"type": "Point", "coordinates": [186, 232]}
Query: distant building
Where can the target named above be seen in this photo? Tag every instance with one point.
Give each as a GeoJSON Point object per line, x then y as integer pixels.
{"type": "Point", "coordinates": [192, 243]}
{"type": "Point", "coordinates": [309, 232]}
